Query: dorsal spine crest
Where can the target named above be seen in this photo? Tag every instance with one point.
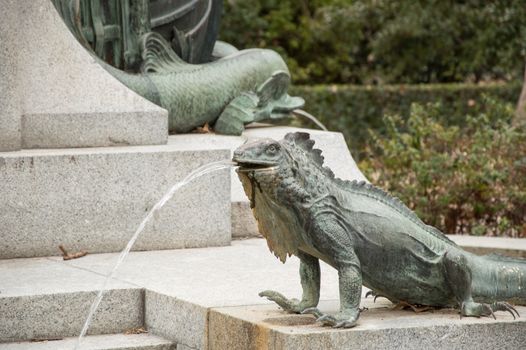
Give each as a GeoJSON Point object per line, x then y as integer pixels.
{"type": "Point", "coordinates": [313, 157]}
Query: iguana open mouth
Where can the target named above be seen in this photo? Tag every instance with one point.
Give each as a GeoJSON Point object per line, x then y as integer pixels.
{"type": "Point", "coordinates": [244, 166]}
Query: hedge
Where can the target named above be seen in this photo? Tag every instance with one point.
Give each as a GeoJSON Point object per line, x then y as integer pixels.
{"type": "Point", "coordinates": [467, 180]}
{"type": "Point", "coordinates": [354, 109]}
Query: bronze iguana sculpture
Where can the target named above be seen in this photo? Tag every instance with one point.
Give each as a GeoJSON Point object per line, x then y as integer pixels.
{"type": "Point", "coordinates": [370, 237]}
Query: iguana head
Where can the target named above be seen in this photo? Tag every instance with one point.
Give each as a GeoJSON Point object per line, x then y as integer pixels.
{"type": "Point", "coordinates": [280, 178]}
{"type": "Point", "coordinates": [263, 154]}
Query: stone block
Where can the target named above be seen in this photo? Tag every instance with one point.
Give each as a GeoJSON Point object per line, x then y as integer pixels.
{"type": "Point", "coordinates": [380, 327]}
{"type": "Point", "coordinates": [176, 319]}
{"type": "Point", "coordinates": [243, 223]}
{"type": "Point", "coordinates": [67, 98]}
{"type": "Point", "coordinates": [94, 199]}
{"type": "Point", "coordinates": [184, 347]}
{"type": "Point", "coordinates": [63, 130]}
{"type": "Point", "coordinates": [98, 342]}
{"type": "Point", "coordinates": [42, 299]}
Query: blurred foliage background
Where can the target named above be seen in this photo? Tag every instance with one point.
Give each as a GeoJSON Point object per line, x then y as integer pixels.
{"type": "Point", "coordinates": [424, 92]}
{"type": "Point", "coordinates": [468, 179]}
{"type": "Point", "coordinates": [385, 41]}
{"type": "Point", "coordinates": [355, 109]}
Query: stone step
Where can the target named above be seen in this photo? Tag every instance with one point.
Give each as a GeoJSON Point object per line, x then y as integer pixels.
{"type": "Point", "coordinates": [43, 299]}
{"type": "Point", "coordinates": [98, 342]}
{"type": "Point", "coordinates": [207, 298]}
{"type": "Point", "coordinates": [486, 245]}
{"type": "Point", "coordinates": [93, 199]}
{"type": "Point", "coordinates": [169, 292]}
{"type": "Point", "coordinates": [380, 327]}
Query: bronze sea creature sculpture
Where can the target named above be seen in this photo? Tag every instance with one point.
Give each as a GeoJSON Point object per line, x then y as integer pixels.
{"type": "Point", "coordinates": [167, 52]}
{"type": "Point", "coordinates": [370, 237]}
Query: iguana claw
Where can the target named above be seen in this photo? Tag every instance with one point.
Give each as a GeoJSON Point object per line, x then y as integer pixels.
{"type": "Point", "coordinates": [346, 319]}
{"type": "Point", "coordinates": [375, 295]}
{"type": "Point", "coordinates": [289, 305]}
{"type": "Point", "coordinates": [313, 311]}
{"type": "Point", "coordinates": [417, 309]}
{"type": "Point", "coordinates": [503, 306]}
{"type": "Point", "coordinates": [480, 309]}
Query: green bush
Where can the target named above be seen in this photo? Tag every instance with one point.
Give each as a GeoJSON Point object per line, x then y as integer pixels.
{"type": "Point", "coordinates": [353, 109]}
{"type": "Point", "coordinates": [384, 41]}
{"type": "Point", "coordinates": [469, 179]}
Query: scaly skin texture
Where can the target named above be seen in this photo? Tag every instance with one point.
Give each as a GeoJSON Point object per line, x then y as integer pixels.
{"type": "Point", "coordinates": [198, 94]}
{"type": "Point", "coordinates": [370, 237]}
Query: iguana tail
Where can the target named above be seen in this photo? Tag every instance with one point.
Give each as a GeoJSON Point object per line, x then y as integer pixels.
{"type": "Point", "coordinates": [501, 278]}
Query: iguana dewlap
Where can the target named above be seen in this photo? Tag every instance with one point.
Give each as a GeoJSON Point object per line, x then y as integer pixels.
{"type": "Point", "coordinates": [370, 237]}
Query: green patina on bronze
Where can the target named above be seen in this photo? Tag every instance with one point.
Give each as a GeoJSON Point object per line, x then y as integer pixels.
{"type": "Point", "coordinates": [370, 237]}
{"type": "Point", "coordinates": [166, 51]}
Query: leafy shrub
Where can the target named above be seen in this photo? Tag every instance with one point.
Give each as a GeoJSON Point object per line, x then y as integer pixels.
{"type": "Point", "coordinates": [468, 179]}
{"type": "Point", "coordinates": [384, 41]}
{"type": "Point", "coordinates": [353, 109]}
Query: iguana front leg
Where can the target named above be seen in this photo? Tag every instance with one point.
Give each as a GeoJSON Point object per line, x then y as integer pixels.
{"type": "Point", "coordinates": [310, 282]}
{"type": "Point", "coordinates": [350, 285]}
{"type": "Point", "coordinates": [334, 241]}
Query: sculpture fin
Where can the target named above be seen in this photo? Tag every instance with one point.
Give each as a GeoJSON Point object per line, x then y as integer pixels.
{"type": "Point", "coordinates": [158, 56]}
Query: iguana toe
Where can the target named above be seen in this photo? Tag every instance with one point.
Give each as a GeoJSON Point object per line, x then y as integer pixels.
{"type": "Point", "coordinates": [503, 306]}
{"type": "Point", "coordinates": [345, 324]}
{"type": "Point", "coordinates": [328, 320]}
{"type": "Point", "coordinates": [375, 295]}
{"type": "Point", "coordinates": [289, 305]}
{"type": "Point", "coordinates": [344, 319]}
{"type": "Point", "coordinates": [312, 311]}
{"type": "Point", "coordinates": [473, 309]}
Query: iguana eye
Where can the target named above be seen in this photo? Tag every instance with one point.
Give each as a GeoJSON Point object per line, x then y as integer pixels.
{"type": "Point", "coordinates": [272, 149]}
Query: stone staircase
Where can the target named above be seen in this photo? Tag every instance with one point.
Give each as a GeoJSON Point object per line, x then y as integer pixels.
{"type": "Point", "coordinates": [206, 298]}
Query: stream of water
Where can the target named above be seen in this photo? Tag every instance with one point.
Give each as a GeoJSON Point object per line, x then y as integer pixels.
{"type": "Point", "coordinates": [302, 113]}
{"type": "Point", "coordinates": [205, 169]}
